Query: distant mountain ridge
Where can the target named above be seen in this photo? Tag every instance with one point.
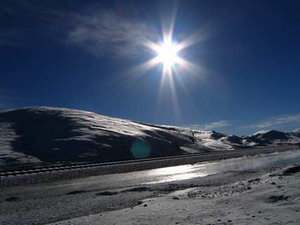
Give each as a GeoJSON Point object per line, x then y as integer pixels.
{"type": "Point", "coordinates": [47, 134]}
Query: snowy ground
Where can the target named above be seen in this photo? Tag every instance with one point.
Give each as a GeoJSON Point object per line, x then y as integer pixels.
{"type": "Point", "coordinates": [270, 198]}
{"type": "Point", "coordinates": [260, 189]}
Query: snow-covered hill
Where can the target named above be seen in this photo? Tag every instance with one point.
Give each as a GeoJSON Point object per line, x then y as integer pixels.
{"type": "Point", "coordinates": [45, 134]}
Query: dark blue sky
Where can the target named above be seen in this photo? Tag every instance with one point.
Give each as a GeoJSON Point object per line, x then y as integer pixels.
{"type": "Point", "coordinates": [81, 54]}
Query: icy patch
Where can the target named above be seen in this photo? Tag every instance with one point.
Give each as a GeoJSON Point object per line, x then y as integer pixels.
{"type": "Point", "coordinates": [247, 163]}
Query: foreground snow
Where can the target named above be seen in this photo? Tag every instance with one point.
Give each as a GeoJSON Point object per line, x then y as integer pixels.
{"type": "Point", "coordinates": [51, 135]}
{"type": "Point", "coordinates": [272, 198]}
{"type": "Point", "coordinates": [247, 190]}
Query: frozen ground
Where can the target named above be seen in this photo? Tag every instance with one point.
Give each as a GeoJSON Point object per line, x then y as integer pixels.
{"type": "Point", "coordinates": [266, 198]}
{"type": "Point", "coordinates": [261, 189]}
{"type": "Point", "coordinates": [58, 135]}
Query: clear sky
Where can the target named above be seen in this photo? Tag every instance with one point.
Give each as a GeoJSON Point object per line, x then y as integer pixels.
{"type": "Point", "coordinates": [88, 54]}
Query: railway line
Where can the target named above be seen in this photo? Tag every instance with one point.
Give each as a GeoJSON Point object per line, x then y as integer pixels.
{"type": "Point", "coordinates": [155, 162]}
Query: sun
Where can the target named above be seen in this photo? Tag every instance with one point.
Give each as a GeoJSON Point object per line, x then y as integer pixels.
{"type": "Point", "coordinates": [167, 54]}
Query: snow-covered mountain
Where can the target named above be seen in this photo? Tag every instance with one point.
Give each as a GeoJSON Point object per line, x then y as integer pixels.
{"type": "Point", "coordinates": [45, 134]}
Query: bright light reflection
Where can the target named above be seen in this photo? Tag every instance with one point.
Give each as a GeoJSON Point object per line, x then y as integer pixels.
{"type": "Point", "coordinates": [177, 173]}
{"type": "Point", "coordinates": [173, 170]}
{"type": "Point", "coordinates": [245, 163]}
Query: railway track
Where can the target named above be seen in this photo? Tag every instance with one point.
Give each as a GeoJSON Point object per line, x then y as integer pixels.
{"type": "Point", "coordinates": [61, 168]}
{"type": "Point", "coordinates": [100, 164]}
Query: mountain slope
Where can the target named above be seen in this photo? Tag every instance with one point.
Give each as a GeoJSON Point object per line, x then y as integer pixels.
{"type": "Point", "coordinates": [45, 134]}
